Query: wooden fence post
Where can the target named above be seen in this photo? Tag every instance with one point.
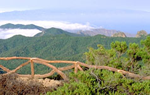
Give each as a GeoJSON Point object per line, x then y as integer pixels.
{"type": "Point", "coordinates": [79, 67]}
{"type": "Point", "coordinates": [75, 67]}
{"type": "Point", "coordinates": [32, 68]}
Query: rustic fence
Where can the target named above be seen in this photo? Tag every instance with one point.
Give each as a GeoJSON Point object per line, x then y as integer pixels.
{"type": "Point", "coordinates": [75, 64]}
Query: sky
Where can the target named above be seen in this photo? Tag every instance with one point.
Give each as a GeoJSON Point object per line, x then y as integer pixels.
{"type": "Point", "coordinates": [118, 21]}
{"type": "Point", "coordinates": [10, 5]}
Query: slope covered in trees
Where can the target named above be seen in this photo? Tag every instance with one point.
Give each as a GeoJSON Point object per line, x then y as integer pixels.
{"type": "Point", "coordinates": [21, 26]}
{"type": "Point", "coordinates": [132, 58]}
{"type": "Point", "coordinates": [60, 47]}
{"type": "Point", "coordinates": [55, 31]}
{"type": "Point", "coordinates": [129, 54]}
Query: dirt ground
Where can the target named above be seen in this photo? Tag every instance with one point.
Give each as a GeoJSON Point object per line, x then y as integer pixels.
{"type": "Point", "coordinates": [14, 85]}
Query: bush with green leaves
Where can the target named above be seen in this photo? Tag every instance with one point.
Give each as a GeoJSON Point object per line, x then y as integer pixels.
{"type": "Point", "coordinates": [133, 58]}
{"type": "Point", "coordinates": [102, 82]}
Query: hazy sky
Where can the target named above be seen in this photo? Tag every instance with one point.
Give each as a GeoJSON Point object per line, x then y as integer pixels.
{"type": "Point", "coordinates": [131, 20]}
{"type": "Point", "coordinates": [9, 5]}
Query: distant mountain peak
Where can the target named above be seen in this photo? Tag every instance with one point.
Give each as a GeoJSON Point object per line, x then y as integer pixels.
{"type": "Point", "coordinates": [94, 32]}
{"type": "Point", "coordinates": [141, 33]}
{"type": "Point", "coordinates": [119, 34]}
{"type": "Point", "coordinates": [55, 31]}
{"type": "Point", "coordinates": [20, 26]}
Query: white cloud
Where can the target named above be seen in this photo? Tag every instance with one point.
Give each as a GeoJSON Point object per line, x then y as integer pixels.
{"type": "Point", "coordinates": [7, 33]}
{"type": "Point", "coordinates": [49, 24]}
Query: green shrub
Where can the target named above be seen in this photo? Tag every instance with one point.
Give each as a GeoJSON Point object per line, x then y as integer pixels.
{"type": "Point", "coordinates": [101, 83]}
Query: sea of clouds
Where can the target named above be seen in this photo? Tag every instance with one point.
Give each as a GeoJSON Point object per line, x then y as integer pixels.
{"type": "Point", "coordinates": [7, 33]}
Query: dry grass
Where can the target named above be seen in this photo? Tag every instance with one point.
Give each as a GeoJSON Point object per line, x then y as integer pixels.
{"type": "Point", "coordinates": [14, 85]}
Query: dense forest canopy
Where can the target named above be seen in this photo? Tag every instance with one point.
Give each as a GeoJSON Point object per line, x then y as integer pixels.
{"type": "Point", "coordinates": [129, 54]}
{"type": "Point", "coordinates": [132, 58]}
{"type": "Point", "coordinates": [58, 47]}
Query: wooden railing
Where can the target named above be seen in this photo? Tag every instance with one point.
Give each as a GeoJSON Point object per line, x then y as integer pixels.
{"type": "Point", "coordinates": [75, 64]}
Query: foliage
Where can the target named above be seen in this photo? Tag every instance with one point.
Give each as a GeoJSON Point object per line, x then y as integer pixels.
{"type": "Point", "coordinates": [102, 82]}
{"type": "Point", "coordinates": [119, 47]}
{"type": "Point", "coordinates": [63, 46]}
{"type": "Point", "coordinates": [131, 58]}
{"type": "Point", "coordinates": [141, 33]}
{"type": "Point", "coordinates": [146, 50]}
{"type": "Point", "coordinates": [105, 82]}
{"type": "Point", "coordinates": [128, 54]}
{"type": "Point", "coordinates": [20, 26]}
{"type": "Point", "coordinates": [54, 32]}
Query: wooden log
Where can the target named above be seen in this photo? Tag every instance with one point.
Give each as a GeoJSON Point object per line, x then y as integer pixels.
{"type": "Point", "coordinates": [22, 65]}
{"type": "Point", "coordinates": [146, 78]}
{"type": "Point", "coordinates": [53, 67]}
{"type": "Point", "coordinates": [129, 74]}
{"type": "Point", "coordinates": [45, 75]}
{"type": "Point", "coordinates": [4, 68]}
{"type": "Point", "coordinates": [27, 75]}
{"type": "Point", "coordinates": [32, 68]}
{"type": "Point", "coordinates": [12, 71]}
{"type": "Point", "coordinates": [54, 61]}
{"type": "Point", "coordinates": [79, 67]}
{"type": "Point", "coordinates": [66, 68]}
{"type": "Point", "coordinates": [10, 58]}
{"type": "Point", "coordinates": [38, 75]}
{"type": "Point", "coordinates": [75, 67]}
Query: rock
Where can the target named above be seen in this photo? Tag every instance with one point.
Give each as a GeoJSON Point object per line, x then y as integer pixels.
{"type": "Point", "coordinates": [141, 33]}
{"type": "Point", "coordinates": [93, 32]}
{"type": "Point", "coordinates": [119, 34]}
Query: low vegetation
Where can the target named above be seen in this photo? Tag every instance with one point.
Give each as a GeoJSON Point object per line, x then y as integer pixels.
{"type": "Point", "coordinates": [121, 53]}
{"type": "Point", "coordinates": [57, 47]}
{"type": "Point", "coordinates": [134, 59]}
{"type": "Point", "coordinates": [14, 85]}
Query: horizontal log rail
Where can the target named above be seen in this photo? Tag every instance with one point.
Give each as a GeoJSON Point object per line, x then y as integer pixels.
{"type": "Point", "coordinates": [75, 64]}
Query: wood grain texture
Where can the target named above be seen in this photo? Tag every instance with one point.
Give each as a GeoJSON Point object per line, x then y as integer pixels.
{"type": "Point", "coordinates": [75, 64]}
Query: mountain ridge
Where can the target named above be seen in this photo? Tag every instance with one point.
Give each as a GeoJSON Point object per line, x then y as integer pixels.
{"type": "Point", "coordinates": [119, 19]}
{"type": "Point", "coordinates": [21, 26]}
{"type": "Point", "coordinates": [55, 31]}
{"type": "Point", "coordinates": [46, 31]}
{"type": "Point", "coordinates": [94, 32]}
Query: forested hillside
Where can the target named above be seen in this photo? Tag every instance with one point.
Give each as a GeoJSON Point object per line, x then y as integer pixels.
{"type": "Point", "coordinates": [59, 47]}
{"type": "Point", "coordinates": [55, 31]}
{"type": "Point", "coordinates": [20, 26]}
{"type": "Point", "coordinates": [129, 54]}
{"type": "Point", "coordinates": [53, 47]}
{"type": "Point", "coordinates": [132, 59]}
